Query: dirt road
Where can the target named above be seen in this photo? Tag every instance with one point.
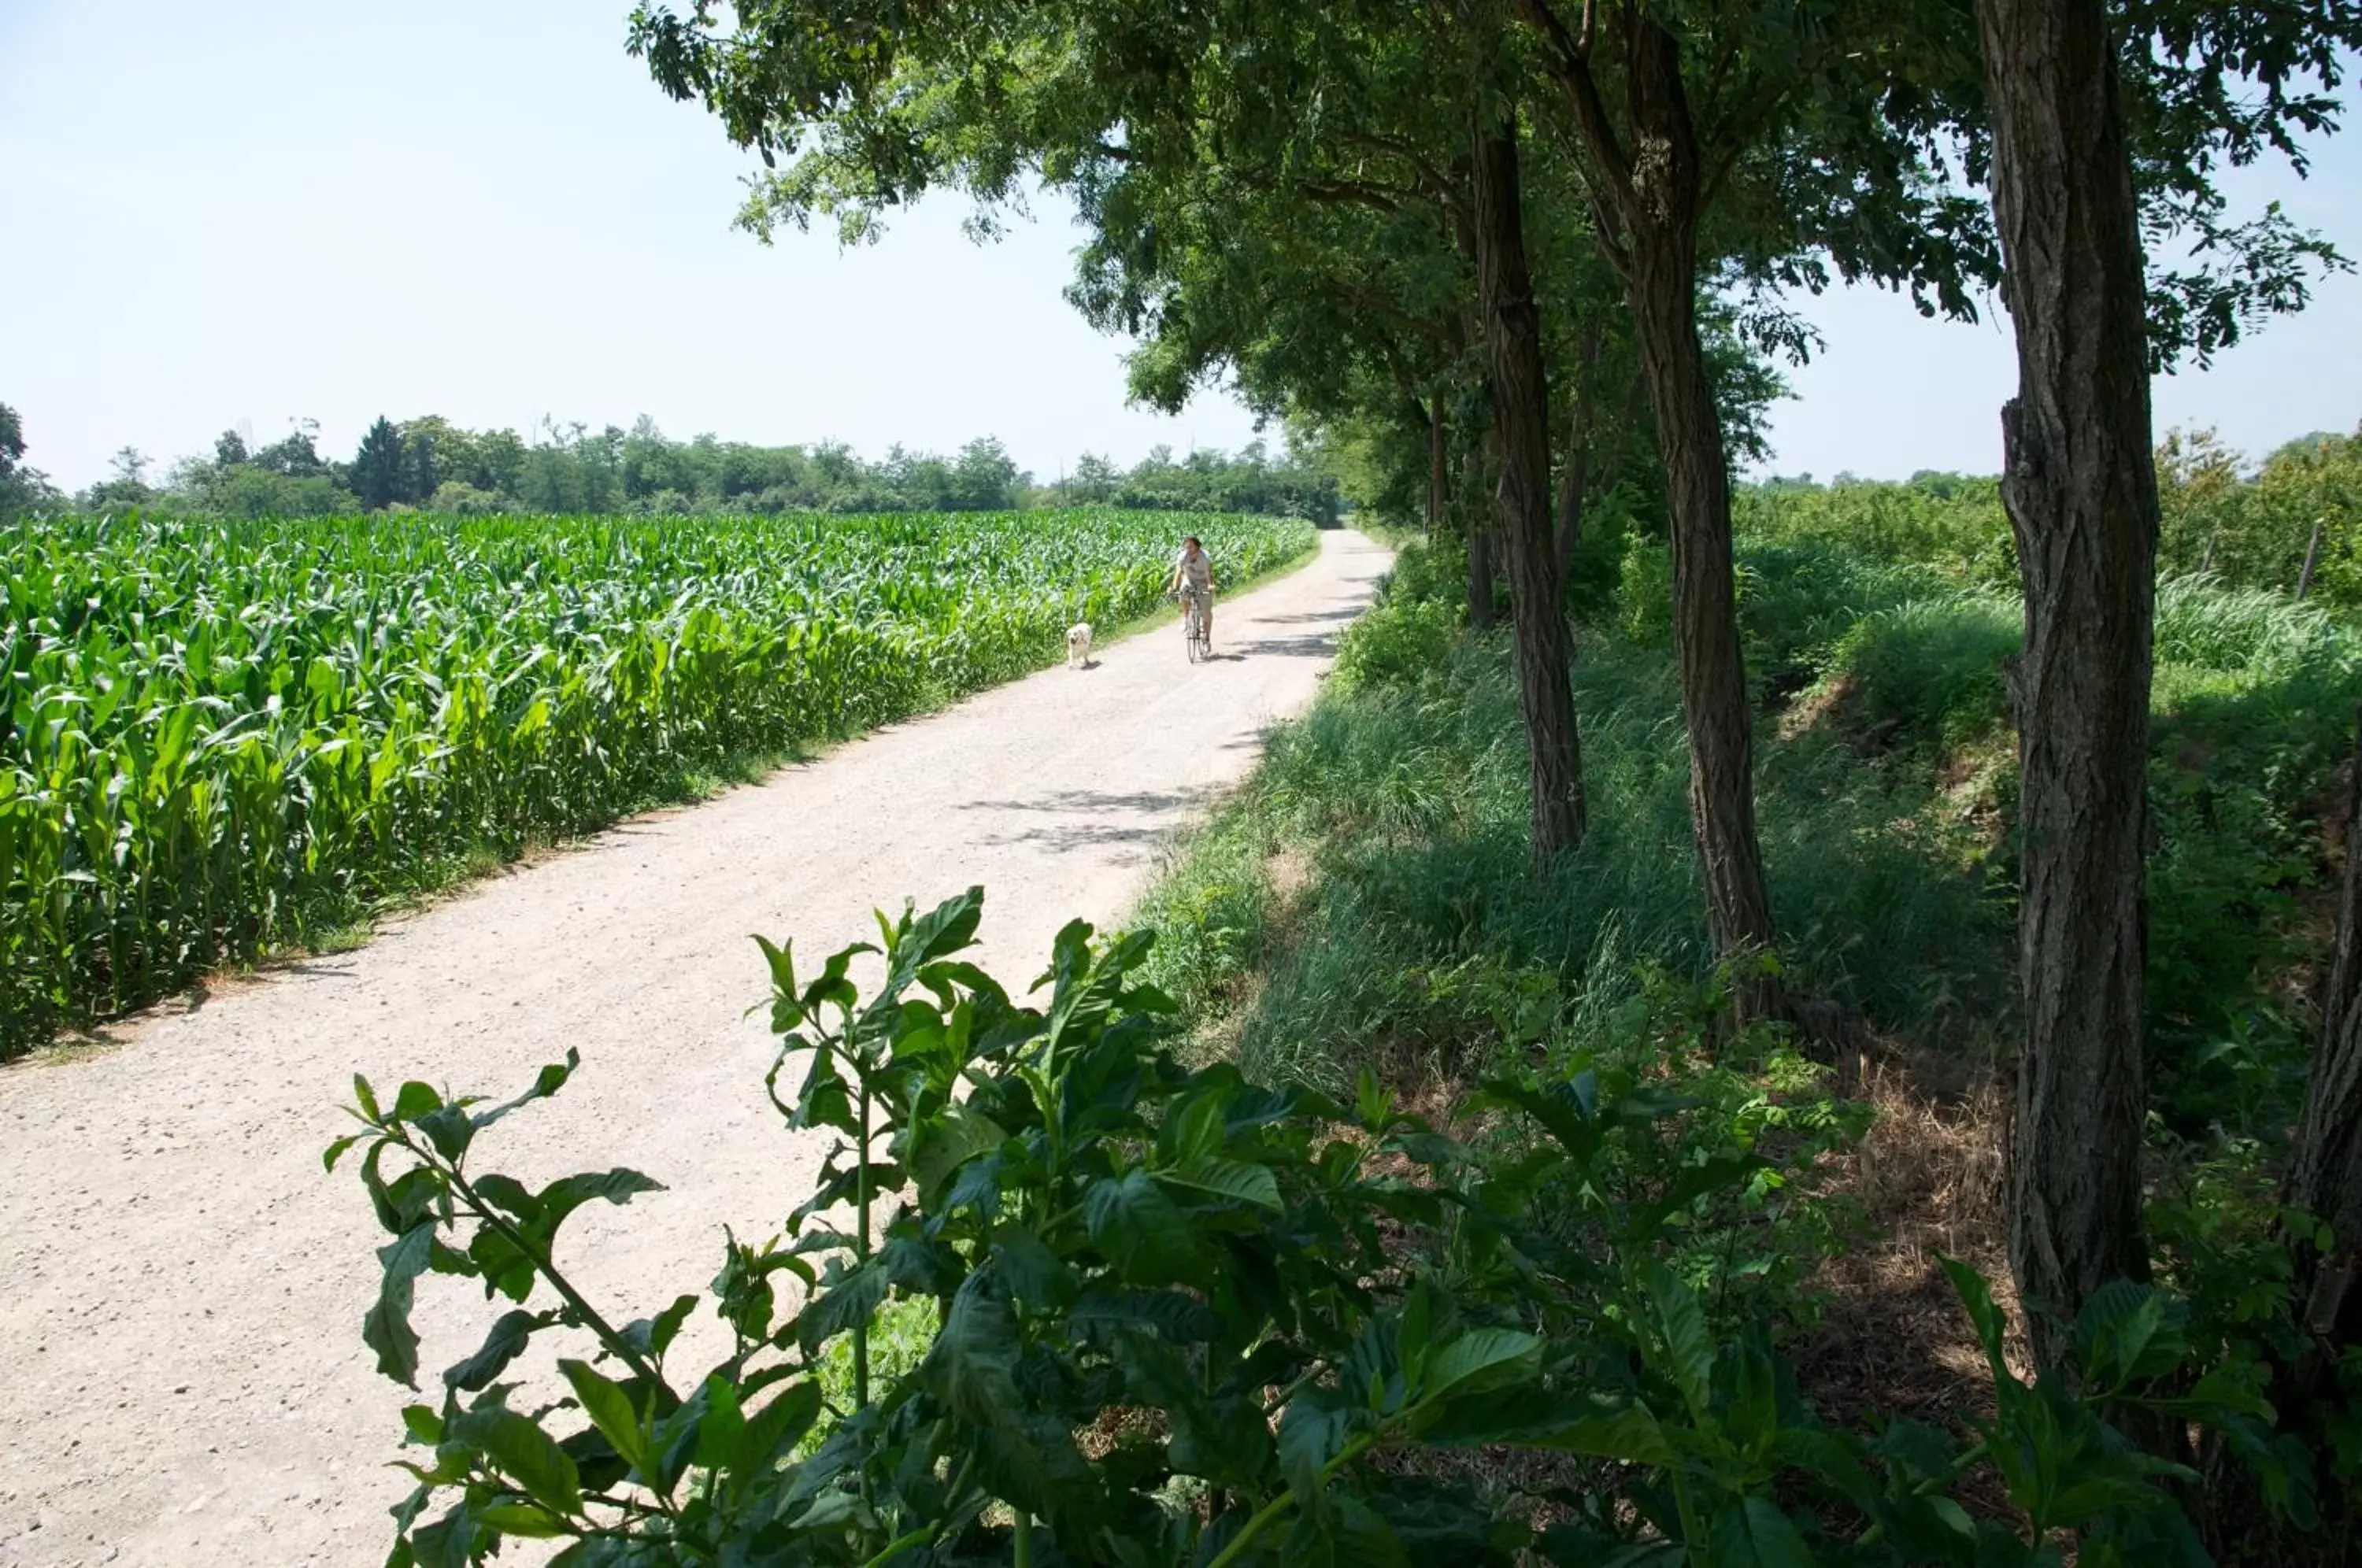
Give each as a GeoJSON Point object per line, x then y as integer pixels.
{"type": "Point", "coordinates": [182, 1376]}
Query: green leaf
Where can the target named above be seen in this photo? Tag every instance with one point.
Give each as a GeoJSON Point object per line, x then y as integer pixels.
{"type": "Point", "coordinates": [336, 1150]}
{"type": "Point", "coordinates": [1143, 1235]}
{"type": "Point", "coordinates": [1177, 1318]}
{"type": "Point", "coordinates": [1233, 1179]}
{"type": "Point", "coordinates": [942, 931]}
{"type": "Point", "coordinates": [1564, 1114]}
{"type": "Point", "coordinates": [422, 1424]}
{"type": "Point", "coordinates": [386, 1327]}
{"type": "Point", "coordinates": [2122, 1335]}
{"type": "Point", "coordinates": [1751, 1532]}
{"type": "Point", "coordinates": [1035, 1276]}
{"type": "Point", "coordinates": [1601, 1427]}
{"type": "Point", "coordinates": [416, 1099]}
{"type": "Point", "coordinates": [832, 986]}
{"type": "Point", "coordinates": [525, 1454]}
{"type": "Point", "coordinates": [724, 1424]}
{"type": "Point", "coordinates": [563, 1196]}
{"type": "Point", "coordinates": [1689, 1348]}
{"type": "Point", "coordinates": [507, 1341]}
{"type": "Point", "coordinates": [522, 1521]}
{"type": "Point", "coordinates": [1751, 1397]}
{"type": "Point", "coordinates": [787, 1010]}
{"type": "Point", "coordinates": [2223, 1390]}
{"type": "Point", "coordinates": [1360, 1538]}
{"type": "Point", "coordinates": [367, 1099]}
{"type": "Point", "coordinates": [448, 1129]}
{"type": "Point", "coordinates": [1194, 1131]}
{"type": "Point", "coordinates": [448, 1543]}
{"type": "Point", "coordinates": [917, 1267]}
{"type": "Point", "coordinates": [851, 1299]}
{"type": "Point", "coordinates": [610, 1409]}
{"type": "Point", "coordinates": [508, 1195]}
{"type": "Point", "coordinates": [780, 1425]}
{"type": "Point", "coordinates": [549, 1081]}
{"type": "Point", "coordinates": [826, 1099]}
{"type": "Point", "coordinates": [1976, 1296]}
{"type": "Point", "coordinates": [1481, 1360]}
{"type": "Point", "coordinates": [669, 1322]}
{"type": "Point", "coordinates": [1312, 1431]}
{"type": "Point", "coordinates": [947, 1142]}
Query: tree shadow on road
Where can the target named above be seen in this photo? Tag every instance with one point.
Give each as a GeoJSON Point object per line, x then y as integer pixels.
{"type": "Point", "coordinates": [1164, 809]}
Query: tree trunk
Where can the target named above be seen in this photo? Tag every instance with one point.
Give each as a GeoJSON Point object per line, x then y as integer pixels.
{"type": "Point", "coordinates": [2311, 558]}
{"type": "Point", "coordinates": [1661, 278]}
{"type": "Point", "coordinates": [1521, 416]}
{"type": "Point", "coordinates": [1480, 575]}
{"type": "Point", "coordinates": [2325, 1177]}
{"type": "Point", "coordinates": [1576, 475]}
{"type": "Point", "coordinates": [1439, 467]}
{"type": "Point", "coordinates": [2081, 495]}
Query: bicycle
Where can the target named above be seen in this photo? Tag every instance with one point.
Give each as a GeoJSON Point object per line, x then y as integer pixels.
{"type": "Point", "coordinates": [1197, 636]}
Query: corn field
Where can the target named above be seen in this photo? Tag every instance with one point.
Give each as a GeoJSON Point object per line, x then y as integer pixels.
{"type": "Point", "coordinates": [219, 738]}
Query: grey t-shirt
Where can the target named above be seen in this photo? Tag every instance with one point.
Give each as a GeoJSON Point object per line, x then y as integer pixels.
{"type": "Point", "coordinates": [1198, 575]}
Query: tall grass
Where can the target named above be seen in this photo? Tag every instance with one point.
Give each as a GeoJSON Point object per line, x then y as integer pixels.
{"type": "Point", "coordinates": [1419, 928]}
{"type": "Point", "coordinates": [1414, 932]}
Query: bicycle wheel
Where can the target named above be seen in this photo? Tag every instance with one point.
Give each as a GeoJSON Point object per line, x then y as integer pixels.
{"type": "Point", "coordinates": [1192, 632]}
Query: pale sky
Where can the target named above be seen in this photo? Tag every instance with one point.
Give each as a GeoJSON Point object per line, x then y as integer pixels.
{"type": "Point", "coordinates": [273, 208]}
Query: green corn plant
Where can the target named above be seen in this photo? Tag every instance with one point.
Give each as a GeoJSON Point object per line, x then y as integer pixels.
{"type": "Point", "coordinates": [217, 735]}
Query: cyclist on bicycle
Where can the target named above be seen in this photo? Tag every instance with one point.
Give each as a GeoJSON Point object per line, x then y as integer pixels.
{"type": "Point", "coordinates": [1193, 579]}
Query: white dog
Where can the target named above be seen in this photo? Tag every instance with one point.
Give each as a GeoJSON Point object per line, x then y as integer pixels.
{"type": "Point", "coordinates": [1078, 645]}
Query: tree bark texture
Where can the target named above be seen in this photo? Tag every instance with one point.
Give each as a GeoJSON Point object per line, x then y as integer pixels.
{"type": "Point", "coordinates": [1661, 277]}
{"type": "Point", "coordinates": [1439, 467]}
{"type": "Point", "coordinates": [2325, 1177]}
{"type": "Point", "coordinates": [1480, 542]}
{"type": "Point", "coordinates": [2081, 495]}
{"type": "Point", "coordinates": [1513, 337]}
{"type": "Point", "coordinates": [1575, 476]}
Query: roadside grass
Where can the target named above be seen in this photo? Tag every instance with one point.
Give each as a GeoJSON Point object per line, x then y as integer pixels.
{"type": "Point", "coordinates": [1363, 902]}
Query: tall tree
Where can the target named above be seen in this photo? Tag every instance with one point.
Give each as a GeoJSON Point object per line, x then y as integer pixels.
{"type": "Point", "coordinates": [1522, 414]}
{"type": "Point", "coordinates": [1150, 113]}
{"type": "Point", "coordinates": [2108, 121]}
{"type": "Point", "coordinates": [2325, 1177]}
{"type": "Point", "coordinates": [2080, 490]}
{"type": "Point", "coordinates": [22, 489]}
{"type": "Point", "coordinates": [12, 441]}
{"type": "Point", "coordinates": [377, 469]}
{"type": "Point", "coordinates": [126, 486]}
{"type": "Point", "coordinates": [1827, 158]}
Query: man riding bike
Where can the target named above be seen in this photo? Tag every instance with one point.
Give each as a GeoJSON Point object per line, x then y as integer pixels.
{"type": "Point", "coordinates": [1193, 579]}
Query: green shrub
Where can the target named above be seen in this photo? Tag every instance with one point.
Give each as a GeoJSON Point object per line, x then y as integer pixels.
{"type": "Point", "coordinates": [1610, 522]}
{"type": "Point", "coordinates": [1797, 598]}
{"type": "Point", "coordinates": [1394, 641]}
{"type": "Point", "coordinates": [1945, 521]}
{"type": "Point", "coordinates": [1644, 591]}
{"type": "Point", "coordinates": [1429, 571]}
{"type": "Point", "coordinates": [1220, 1286]}
{"type": "Point", "coordinates": [1930, 670]}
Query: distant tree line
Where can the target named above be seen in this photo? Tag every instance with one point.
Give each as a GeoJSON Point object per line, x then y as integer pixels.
{"type": "Point", "coordinates": [432, 465]}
